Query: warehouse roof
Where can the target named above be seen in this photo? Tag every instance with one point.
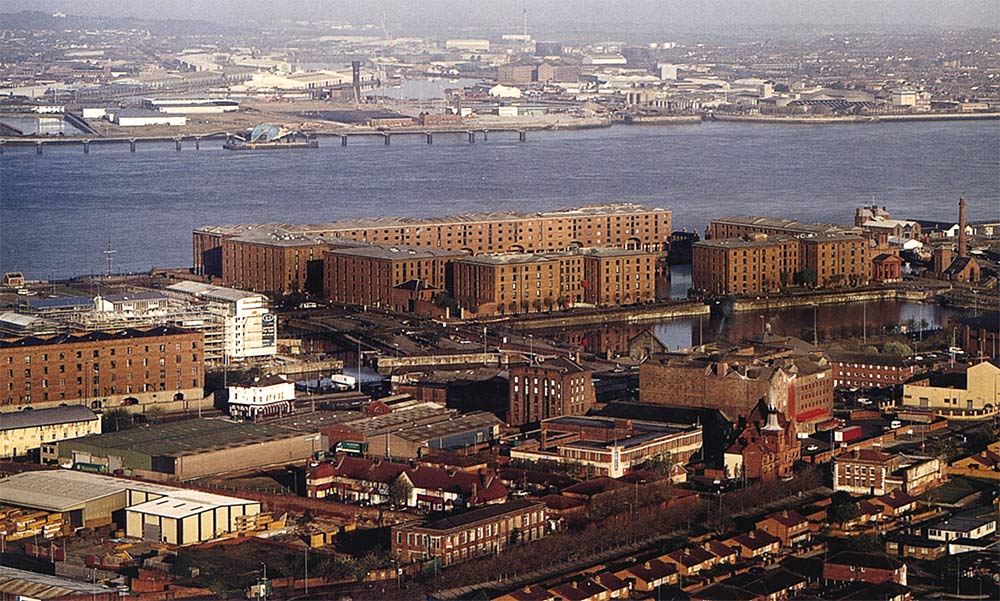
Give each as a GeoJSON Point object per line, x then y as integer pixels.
{"type": "Point", "coordinates": [182, 503]}
{"type": "Point", "coordinates": [22, 584]}
{"type": "Point", "coordinates": [185, 437]}
{"type": "Point", "coordinates": [63, 490]}
{"type": "Point", "coordinates": [45, 417]}
{"type": "Point", "coordinates": [210, 291]}
{"type": "Point", "coordinates": [449, 427]}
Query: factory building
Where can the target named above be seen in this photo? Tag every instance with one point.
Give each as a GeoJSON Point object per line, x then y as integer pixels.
{"type": "Point", "coordinates": [188, 449]}
{"type": "Point", "coordinates": [148, 511]}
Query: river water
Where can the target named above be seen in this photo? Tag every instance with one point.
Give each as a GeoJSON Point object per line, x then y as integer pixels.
{"type": "Point", "coordinates": [58, 209]}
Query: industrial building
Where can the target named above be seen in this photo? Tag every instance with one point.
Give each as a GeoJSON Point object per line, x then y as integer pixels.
{"type": "Point", "coordinates": [189, 449]}
{"type": "Point", "coordinates": [167, 514]}
{"type": "Point", "coordinates": [485, 531]}
{"type": "Point", "coordinates": [142, 118]}
{"type": "Point", "coordinates": [25, 432]}
{"type": "Point", "coordinates": [22, 585]}
{"type": "Point", "coordinates": [459, 432]}
{"type": "Point", "coordinates": [186, 106]}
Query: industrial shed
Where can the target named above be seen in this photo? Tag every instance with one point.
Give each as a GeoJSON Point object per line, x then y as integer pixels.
{"type": "Point", "coordinates": [150, 511]}
{"type": "Point", "coordinates": [187, 517]}
{"type": "Point", "coordinates": [189, 449]}
{"type": "Point", "coordinates": [21, 584]}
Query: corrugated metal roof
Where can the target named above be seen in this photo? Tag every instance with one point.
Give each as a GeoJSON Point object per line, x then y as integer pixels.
{"type": "Point", "coordinates": [31, 418]}
{"type": "Point", "coordinates": [33, 585]}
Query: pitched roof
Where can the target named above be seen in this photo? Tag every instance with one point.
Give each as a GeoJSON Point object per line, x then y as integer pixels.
{"type": "Point", "coordinates": [483, 513]}
{"type": "Point", "coordinates": [45, 417]}
{"type": "Point", "coordinates": [875, 561]}
{"type": "Point", "coordinates": [895, 499]}
{"type": "Point", "coordinates": [756, 539]}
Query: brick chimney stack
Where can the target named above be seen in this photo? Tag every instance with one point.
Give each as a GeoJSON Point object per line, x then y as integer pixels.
{"type": "Point", "coordinates": [963, 244]}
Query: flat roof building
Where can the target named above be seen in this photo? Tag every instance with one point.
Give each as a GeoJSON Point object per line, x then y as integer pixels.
{"type": "Point", "coordinates": [167, 514]}
{"type": "Point", "coordinates": [189, 449]}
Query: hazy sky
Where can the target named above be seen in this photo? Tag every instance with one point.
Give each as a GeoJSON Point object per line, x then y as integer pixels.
{"type": "Point", "coordinates": [553, 15]}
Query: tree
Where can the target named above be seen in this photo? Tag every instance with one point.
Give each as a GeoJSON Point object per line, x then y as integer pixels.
{"type": "Point", "coordinates": [843, 508]}
{"type": "Point", "coordinates": [549, 302]}
{"type": "Point", "coordinates": [806, 277]}
{"type": "Point", "coordinates": [153, 414]}
{"type": "Point", "coordinates": [536, 305]}
{"type": "Point", "coordinates": [894, 347]}
{"type": "Point", "coordinates": [400, 490]}
{"type": "Point", "coordinates": [116, 420]}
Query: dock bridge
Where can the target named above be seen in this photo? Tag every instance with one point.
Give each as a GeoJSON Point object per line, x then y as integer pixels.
{"type": "Point", "coordinates": [386, 135]}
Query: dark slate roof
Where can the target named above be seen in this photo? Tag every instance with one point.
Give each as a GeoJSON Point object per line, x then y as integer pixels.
{"type": "Point", "coordinates": [875, 561]}
{"type": "Point", "coordinates": [484, 513]}
{"type": "Point", "coordinates": [31, 418]}
{"type": "Point", "coordinates": [91, 337]}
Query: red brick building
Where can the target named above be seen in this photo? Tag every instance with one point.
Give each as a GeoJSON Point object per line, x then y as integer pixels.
{"type": "Point", "coordinates": [761, 262]}
{"type": "Point", "coordinates": [485, 531]}
{"type": "Point", "coordinates": [863, 370]}
{"type": "Point", "coordinates": [102, 369]}
{"type": "Point", "coordinates": [766, 449]}
{"type": "Point", "coordinates": [735, 378]}
{"type": "Point", "coordinates": [615, 276]}
{"type": "Point", "coordinates": [887, 267]}
{"type": "Point", "coordinates": [789, 526]}
{"type": "Point", "coordinates": [513, 283]}
{"type": "Point", "coordinates": [548, 388]}
{"type": "Point", "coordinates": [624, 225]}
{"type": "Point", "coordinates": [849, 566]}
{"type": "Point", "coordinates": [367, 275]}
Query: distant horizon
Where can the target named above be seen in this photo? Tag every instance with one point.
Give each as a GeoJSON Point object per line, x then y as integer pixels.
{"type": "Point", "coordinates": [643, 18]}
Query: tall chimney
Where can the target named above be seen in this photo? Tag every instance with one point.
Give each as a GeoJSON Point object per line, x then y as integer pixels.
{"type": "Point", "coordinates": [963, 249]}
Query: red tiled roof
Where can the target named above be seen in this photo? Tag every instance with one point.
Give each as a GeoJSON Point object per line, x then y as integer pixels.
{"type": "Point", "coordinates": [691, 556]}
{"type": "Point", "coordinates": [896, 499]}
{"type": "Point", "coordinates": [756, 539]}
{"type": "Point", "coordinates": [652, 570]}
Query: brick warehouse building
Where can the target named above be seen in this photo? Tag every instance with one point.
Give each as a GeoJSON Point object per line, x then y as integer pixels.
{"type": "Point", "coordinates": [480, 532]}
{"type": "Point", "coordinates": [102, 369]}
{"type": "Point", "coordinates": [366, 275]}
{"type": "Point", "coordinates": [548, 388]}
{"type": "Point", "coordinates": [734, 379]}
{"type": "Point", "coordinates": [744, 266]}
{"type": "Point", "coordinates": [765, 263]}
{"type": "Point", "coordinates": [624, 225]}
{"type": "Point", "coordinates": [522, 282]}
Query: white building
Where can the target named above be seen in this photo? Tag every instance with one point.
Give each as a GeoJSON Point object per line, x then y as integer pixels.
{"type": "Point", "coordinates": [268, 396]}
{"type": "Point", "coordinates": [468, 45]}
{"type": "Point", "coordinates": [249, 328]}
{"type": "Point", "coordinates": [502, 91]}
{"type": "Point", "coordinates": [962, 527]}
{"type": "Point", "coordinates": [133, 118]}
{"type": "Point", "coordinates": [185, 517]}
{"type": "Point", "coordinates": [184, 106]}
{"type": "Point", "coordinates": [903, 98]}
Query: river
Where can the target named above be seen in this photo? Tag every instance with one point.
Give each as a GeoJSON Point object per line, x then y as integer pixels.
{"type": "Point", "coordinates": [58, 209]}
